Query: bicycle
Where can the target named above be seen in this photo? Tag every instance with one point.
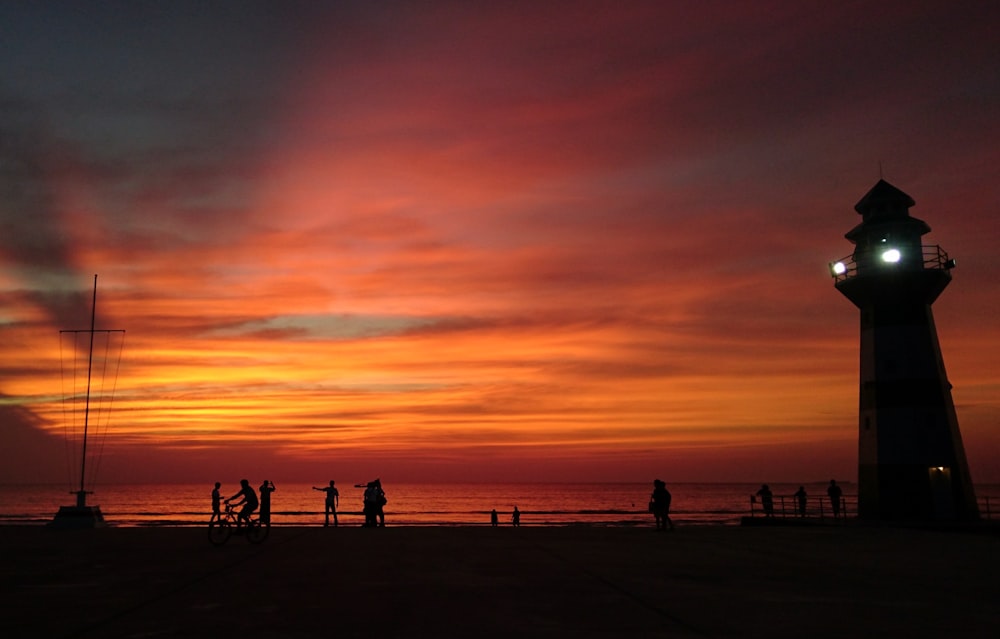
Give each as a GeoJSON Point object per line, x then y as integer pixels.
{"type": "Point", "coordinates": [221, 530]}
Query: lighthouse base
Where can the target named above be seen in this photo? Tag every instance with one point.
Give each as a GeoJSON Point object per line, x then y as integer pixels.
{"type": "Point", "coordinates": [914, 492]}
{"type": "Point", "coordinates": [78, 517]}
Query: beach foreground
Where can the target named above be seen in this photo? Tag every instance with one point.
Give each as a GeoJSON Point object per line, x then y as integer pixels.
{"type": "Point", "coordinates": [501, 582]}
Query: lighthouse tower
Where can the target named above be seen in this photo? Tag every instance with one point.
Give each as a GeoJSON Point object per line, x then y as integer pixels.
{"type": "Point", "coordinates": [911, 462]}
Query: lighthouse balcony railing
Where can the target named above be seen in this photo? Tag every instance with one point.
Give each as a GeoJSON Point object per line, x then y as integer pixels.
{"type": "Point", "coordinates": [933, 257]}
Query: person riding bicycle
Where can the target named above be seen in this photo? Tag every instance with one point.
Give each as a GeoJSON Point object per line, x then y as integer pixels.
{"type": "Point", "coordinates": [249, 501]}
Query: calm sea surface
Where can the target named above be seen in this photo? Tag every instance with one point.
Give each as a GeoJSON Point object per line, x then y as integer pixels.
{"type": "Point", "coordinates": [615, 504]}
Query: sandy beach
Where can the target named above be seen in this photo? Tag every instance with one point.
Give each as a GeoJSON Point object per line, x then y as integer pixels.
{"type": "Point", "coordinates": [481, 582]}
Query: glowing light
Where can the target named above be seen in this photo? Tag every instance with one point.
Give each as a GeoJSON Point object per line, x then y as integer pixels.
{"type": "Point", "coordinates": [839, 268]}
{"type": "Point", "coordinates": [891, 256]}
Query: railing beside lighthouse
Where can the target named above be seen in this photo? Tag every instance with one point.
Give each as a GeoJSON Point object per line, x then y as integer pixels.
{"type": "Point", "coordinates": [933, 257]}
{"type": "Point", "coordinates": [788, 506]}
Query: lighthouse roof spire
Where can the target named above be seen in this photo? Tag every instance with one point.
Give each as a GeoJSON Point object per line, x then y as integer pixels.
{"type": "Point", "coordinates": [883, 198]}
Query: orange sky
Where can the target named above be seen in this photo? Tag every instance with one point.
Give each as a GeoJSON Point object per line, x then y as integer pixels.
{"type": "Point", "coordinates": [465, 242]}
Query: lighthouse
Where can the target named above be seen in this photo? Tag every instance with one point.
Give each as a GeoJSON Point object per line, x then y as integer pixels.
{"type": "Point", "coordinates": [911, 462]}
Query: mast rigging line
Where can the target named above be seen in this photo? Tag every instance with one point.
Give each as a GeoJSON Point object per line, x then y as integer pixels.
{"type": "Point", "coordinates": [99, 405]}
{"type": "Point", "coordinates": [106, 414]}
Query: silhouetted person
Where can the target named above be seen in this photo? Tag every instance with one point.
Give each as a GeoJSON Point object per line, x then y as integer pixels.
{"type": "Point", "coordinates": [380, 502]}
{"type": "Point", "coordinates": [800, 500]}
{"type": "Point", "coordinates": [766, 500]}
{"type": "Point", "coordinates": [216, 503]}
{"type": "Point", "coordinates": [515, 517]}
{"type": "Point", "coordinates": [660, 505]}
{"type": "Point", "coordinates": [331, 503]}
{"type": "Point", "coordinates": [835, 494]}
{"type": "Point", "coordinates": [371, 507]}
{"type": "Point", "coordinates": [265, 502]}
{"type": "Point", "coordinates": [249, 501]}
{"type": "Point", "coordinates": [494, 518]}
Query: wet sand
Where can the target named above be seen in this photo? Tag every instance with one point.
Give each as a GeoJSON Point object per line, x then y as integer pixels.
{"type": "Point", "coordinates": [483, 582]}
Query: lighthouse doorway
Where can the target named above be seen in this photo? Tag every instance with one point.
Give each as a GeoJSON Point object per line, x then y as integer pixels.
{"type": "Point", "coordinates": [942, 495]}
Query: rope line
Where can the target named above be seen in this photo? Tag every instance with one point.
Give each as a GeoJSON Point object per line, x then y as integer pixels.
{"type": "Point", "coordinates": [104, 412]}
{"type": "Point", "coordinates": [101, 401]}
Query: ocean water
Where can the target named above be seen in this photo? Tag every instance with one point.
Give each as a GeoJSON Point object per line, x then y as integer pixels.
{"type": "Point", "coordinates": [409, 504]}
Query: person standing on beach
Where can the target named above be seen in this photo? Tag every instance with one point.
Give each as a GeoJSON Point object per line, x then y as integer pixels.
{"type": "Point", "coordinates": [265, 502]}
{"type": "Point", "coordinates": [659, 503]}
{"type": "Point", "coordinates": [369, 505]}
{"type": "Point", "coordinates": [800, 500]}
{"type": "Point", "coordinates": [332, 501]}
{"type": "Point", "coordinates": [766, 500]}
{"type": "Point", "coordinates": [494, 518]}
{"type": "Point", "coordinates": [515, 517]}
{"type": "Point", "coordinates": [249, 501]}
{"type": "Point", "coordinates": [835, 494]}
{"type": "Point", "coordinates": [216, 504]}
{"type": "Point", "coordinates": [374, 504]}
{"type": "Point", "coordinates": [380, 502]}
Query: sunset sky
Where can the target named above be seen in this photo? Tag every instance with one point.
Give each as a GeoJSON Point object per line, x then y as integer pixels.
{"type": "Point", "coordinates": [483, 241]}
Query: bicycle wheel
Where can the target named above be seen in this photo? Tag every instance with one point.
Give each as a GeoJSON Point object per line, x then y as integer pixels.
{"type": "Point", "coordinates": [257, 533]}
{"type": "Point", "coordinates": [219, 532]}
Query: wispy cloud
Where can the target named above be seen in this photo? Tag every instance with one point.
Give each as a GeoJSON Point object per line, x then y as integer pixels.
{"type": "Point", "coordinates": [473, 238]}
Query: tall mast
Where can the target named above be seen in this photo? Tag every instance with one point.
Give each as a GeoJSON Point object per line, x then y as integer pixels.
{"type": "Point", "coordinates": [82, 515]}
{"type": "Point", "coordinates": [81, 496]}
